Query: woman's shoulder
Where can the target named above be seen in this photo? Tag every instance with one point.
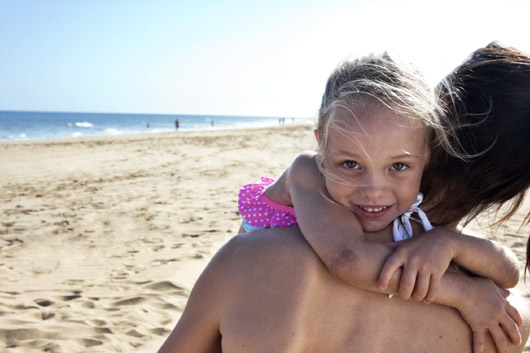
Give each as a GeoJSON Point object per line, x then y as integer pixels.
{"type": "Point", "coordinates": [268, 249]}
{"type": "Point", "coordinates": [264, 242]}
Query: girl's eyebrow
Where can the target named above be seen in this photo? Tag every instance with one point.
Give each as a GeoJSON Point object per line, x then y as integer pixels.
{"type": "Point", "coordinates": [407, 154]}
{"type": "Point", "coordinates": [348, 153]}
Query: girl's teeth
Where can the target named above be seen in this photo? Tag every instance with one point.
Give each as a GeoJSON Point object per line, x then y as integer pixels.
{"type": "Point", "coordinates": [378, 209]}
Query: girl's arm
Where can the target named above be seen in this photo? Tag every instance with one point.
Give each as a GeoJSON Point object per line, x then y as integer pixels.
{"type": "Point", "coordinates": [479, 256]}
{"type": "Point", "coordinates": [337, 237]}
{"type": "Point", "coordinates": [473, 250]}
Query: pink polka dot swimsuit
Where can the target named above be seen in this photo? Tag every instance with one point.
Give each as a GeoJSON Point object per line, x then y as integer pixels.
{"type": "Point", "coordinates": [259, 211]}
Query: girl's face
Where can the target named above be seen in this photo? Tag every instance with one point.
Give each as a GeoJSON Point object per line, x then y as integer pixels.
{"type": "Point", "coordinates": [374, 164]}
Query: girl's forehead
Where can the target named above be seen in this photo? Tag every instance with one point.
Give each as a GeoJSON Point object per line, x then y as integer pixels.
{"type": "Point", "coordinates": [376, 128]}
{"type": "Point", "coordinates": [360, 118]}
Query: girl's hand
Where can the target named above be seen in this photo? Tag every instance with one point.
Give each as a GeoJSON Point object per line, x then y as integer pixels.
{"type": "Point", "coordinates": [424, 259]}
{"type": "Point", "coordinates": [485, 309]}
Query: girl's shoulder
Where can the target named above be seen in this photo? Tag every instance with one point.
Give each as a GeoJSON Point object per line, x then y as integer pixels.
{"type": "Point", "coordinates": [306, 157]}
{"type": "Point", "coordinates": [304, 163]}
{"type": "Point", "coordinates": [304, 174]}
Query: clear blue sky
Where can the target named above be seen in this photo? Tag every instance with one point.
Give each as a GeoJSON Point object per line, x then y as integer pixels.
{"type": "Point", "coordinates": [265, 58]}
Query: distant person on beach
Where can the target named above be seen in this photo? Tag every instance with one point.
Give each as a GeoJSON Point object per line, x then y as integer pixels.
{"type": "Point", "coordinates": [177, 124]}
{"type": "Point", "coordinates": [268, 289]}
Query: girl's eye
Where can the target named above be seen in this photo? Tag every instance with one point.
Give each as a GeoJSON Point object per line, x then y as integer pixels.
{"type": "Point", "coordinates": [399, 166]}
{"type": "Point", "coordinates": [351, 165]}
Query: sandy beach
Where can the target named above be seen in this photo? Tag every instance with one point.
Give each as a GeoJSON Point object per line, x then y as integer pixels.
{"type": "Point", "coordinates": [102, 239]}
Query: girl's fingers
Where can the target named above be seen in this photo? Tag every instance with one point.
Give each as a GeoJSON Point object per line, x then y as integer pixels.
{"type": "Point", "coordinates": [434, 286]}
{"type": "Point", "coordinates": [511, 330]}
{"type": "Point", "coordinates": [499, 338]}
{"type": "Point", "coordinates": [421, 288]}
{"type": "Point", "coordinates": [392, 264]}
{"type": "Point", "coordinates": [478, 342]}
{"type": "Point", "coordinates": [408, 281]}
{"type": "Point", "coordinates": [514, 314]}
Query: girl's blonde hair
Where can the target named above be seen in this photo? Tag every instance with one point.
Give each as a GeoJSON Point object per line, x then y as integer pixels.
{"type": "Point", "coordinates": [382, 81]}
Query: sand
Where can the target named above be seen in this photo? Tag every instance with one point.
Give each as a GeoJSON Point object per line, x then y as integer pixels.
{"type": "Point", "coordinates": [102, 239]}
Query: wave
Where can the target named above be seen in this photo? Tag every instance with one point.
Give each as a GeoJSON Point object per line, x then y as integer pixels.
{"type": "Point", "coordinates": [84, 124]}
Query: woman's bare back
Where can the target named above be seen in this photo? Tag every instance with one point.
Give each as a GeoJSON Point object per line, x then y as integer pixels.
{"type": "Point", "coordinates": [282, 298]}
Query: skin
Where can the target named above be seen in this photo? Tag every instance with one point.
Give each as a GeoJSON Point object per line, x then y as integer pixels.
{"type": "Point", "coordinates": [255, 294]}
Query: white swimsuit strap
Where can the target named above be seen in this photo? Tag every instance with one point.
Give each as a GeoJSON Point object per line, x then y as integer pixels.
{"type": "Point", "coordinates": [402, 228]}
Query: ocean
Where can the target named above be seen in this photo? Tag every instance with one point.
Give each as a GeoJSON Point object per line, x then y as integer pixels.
{"type": "Point", "coordinates": [20, 126]}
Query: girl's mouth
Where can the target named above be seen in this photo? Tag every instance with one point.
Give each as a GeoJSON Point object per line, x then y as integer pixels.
{"type": "Point", "coordinates": [374, 211]}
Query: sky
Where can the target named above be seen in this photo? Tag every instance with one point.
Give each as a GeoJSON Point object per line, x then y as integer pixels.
{"type": "Point", "coordinates": [226, 57]}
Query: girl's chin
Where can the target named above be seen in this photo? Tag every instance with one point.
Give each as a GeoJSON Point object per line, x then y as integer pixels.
{"type": "Point", "coordinates": [374, 227]}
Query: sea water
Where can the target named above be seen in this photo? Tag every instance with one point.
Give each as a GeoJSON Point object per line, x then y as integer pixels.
{"type": "Point", "coordinates": [18, 125]}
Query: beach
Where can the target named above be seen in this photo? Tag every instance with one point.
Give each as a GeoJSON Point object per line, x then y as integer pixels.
{"type": "Point", "coordinates": [102, 238]}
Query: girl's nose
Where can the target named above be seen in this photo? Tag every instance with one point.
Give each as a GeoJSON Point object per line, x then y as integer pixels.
{"type": "Point", "coordinates": [373, 186]}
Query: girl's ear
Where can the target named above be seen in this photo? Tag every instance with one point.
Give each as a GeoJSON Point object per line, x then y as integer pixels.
{"type": "Point", "coordinates": [316, 134]}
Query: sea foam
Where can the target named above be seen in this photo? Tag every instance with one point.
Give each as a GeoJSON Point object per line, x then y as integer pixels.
{"type": "Point", "coordinates": [84, 124]}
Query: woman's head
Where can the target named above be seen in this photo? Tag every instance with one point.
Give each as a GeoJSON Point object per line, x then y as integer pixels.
{"type": "Point", "coordinates": [488, 107]}
{"type": "Point", "coordinates": [374, 128]}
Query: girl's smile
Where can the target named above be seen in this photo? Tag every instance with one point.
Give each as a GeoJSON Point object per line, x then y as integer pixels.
{"type": "Point", "coordinates": [372, 211]}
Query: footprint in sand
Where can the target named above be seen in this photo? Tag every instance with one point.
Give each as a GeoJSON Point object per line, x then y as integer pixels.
{"type": "Point", "coordinates": [43, 302]}
{"type": "Point", "coordinates": [89, 304]}
{"type": "Point", "coordinates": [160, 331]}
{"type": "Point", "coordinates": [164, 261]}
{"type": "Point", "coordinates": [69, 297]}
{"type": "Point", "coordinates": [89, 342]}
{"type": "Point", "coordinates": [134, 333]}
{"type": "Point", "coordinates": [97, 323]}
{"type": "Point", "coordinates": [46, 315]}
{"type": "Point", "coordinates": [129, 301]}
{"type": "Point", "coordinates": [164, 286]}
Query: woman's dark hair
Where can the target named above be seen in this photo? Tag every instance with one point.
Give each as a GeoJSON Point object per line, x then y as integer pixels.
{"type": "Point", "coordinates": [487, 103]}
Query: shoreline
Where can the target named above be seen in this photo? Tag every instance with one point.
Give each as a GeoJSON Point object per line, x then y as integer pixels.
{"type": "Point", "coordinates": [82, 139]}
{"type": "Point", "coordinates": [28, 126]}
{"type": "Point", "coordinates": [102, 238]}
